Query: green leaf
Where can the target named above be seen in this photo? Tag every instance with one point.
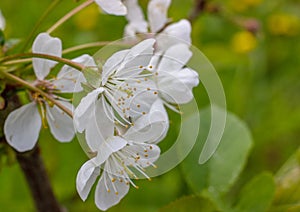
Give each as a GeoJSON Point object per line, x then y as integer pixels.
{"type": "Point", "coordinates": [92, 76]}
{"type": "Point", "coordinates": [189, 203]}
{"type": "Point", "coordinates": [257, 195]}
{"type": "Point", "coordinates": [223, 168]}
{"type": "Point", "coordinates": [287, 196]}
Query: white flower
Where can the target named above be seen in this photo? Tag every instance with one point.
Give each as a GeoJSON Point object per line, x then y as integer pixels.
{"type": "Point", "coordinates": [2, 21]}
{"type": "Point", "coordinates": [157, 14]}
{"type": "Point", "coordinates": [178, 32]}
{"type": "Point", "coordinates": [122, 156]}
{"type": "Point", "coordinates": [115, 7]}
{"type": "Point", "coordinates": [123, 85]}
{"type": "Point", "coordinates": [157, 17]}
{"type": "Point", "coordinates": [23, 125]}
{"type": "Point", "coordinates": [175, 81]}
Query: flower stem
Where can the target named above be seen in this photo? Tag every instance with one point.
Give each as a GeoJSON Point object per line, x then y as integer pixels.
{"type": "Point", "coordinates": [33, 88]}
{"type": "Point", "coordinates": [44, 56]}
{"type": "Point", "coordinates": [33, 168]}
{"type": "Point", "coordinates": [94, 45]}
{"type": "Point", "coordinates": [69, 15]}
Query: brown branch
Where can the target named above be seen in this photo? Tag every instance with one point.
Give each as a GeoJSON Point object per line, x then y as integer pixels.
{"type": "Point", "coordinates": [33, 168]}
{"type": "Point", "coordinates": [31, 163]}
{"type": "Point", "coordinates": [197, 9]}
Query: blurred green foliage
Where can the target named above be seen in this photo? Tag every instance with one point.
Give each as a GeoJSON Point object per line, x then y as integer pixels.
{"type": "Point", "coordinates": [255, 47]}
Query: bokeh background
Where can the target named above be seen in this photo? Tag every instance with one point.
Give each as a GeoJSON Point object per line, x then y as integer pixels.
{"type": "Point", "coordinates": [255, 48]}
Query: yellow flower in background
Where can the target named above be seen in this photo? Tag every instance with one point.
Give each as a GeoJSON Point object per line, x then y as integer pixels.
{"type": "Point", "coordinates": [87, 18]}
{"type": "Point", "coordinates": [243, 42]}
{"type": "Point", "coordinates": [284, 24]}
{"type": "Point", "coordinates": [242, 5]}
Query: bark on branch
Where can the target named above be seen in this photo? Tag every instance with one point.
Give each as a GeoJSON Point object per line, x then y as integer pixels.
{"type": "Point", "coordinates": [33, 168]}
{"type": "Point", "coordinates": [31, 163]}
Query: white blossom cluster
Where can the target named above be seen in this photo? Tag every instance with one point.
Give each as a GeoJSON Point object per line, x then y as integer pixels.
{"type": "Point", "coordinates": [123, 115]}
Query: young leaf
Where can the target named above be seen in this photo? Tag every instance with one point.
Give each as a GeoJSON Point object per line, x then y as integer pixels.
{"type": "Point", "coordinates": [189, 203]}
{"type": "Point", "coordinates": [224, 167]}
{"type": "Point", "coordinates": [257, 195]}
{"type": "Point", "coordinates": [287, 197]}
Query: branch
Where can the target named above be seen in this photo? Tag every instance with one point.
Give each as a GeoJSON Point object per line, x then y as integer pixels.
{"type": "Point", "coordinates": [33, 88]}
{"type": "Point", "coordinates": [33, 168]}
{"type": "Point", "coordinates": [197, 9]}
{"type": "Point", "coordinates": [31, 164]}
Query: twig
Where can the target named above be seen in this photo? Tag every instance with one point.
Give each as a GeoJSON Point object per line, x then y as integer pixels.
{"type": "Point", "coordinates": [197, 9]}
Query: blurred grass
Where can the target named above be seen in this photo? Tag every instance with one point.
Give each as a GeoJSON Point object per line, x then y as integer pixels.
{"type": "Point", "coordinates": [261, 84]}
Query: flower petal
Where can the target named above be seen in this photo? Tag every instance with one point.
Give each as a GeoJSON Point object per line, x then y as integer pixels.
{"type": "Point", "coordinates": [60, 123]}
{"type": "Point", "coordinates": [112, 63]}
{"type": "Point", "coordinates": [137, 59]}
{"type": "Point", "coordinates": [86, 178]}
{"type": "Point", "coordinates": [157, 14]}
{"type": "Point", "coordinates": [22, 127]}
{"type": "Point", "coordinates": [83, 110]}
{"type": "Point", "coordinates": [105, 195]}
{"type": "Point", "coordinates": [69, 79]}
{"type": "Point", "coordinates": [100, 125]}
{"type": "Point", "coordinates": [150, 128]}
{"type": "Point", "coordinates": [174, 58]}
{"type": "Point", "coordinates": [148, 154]}
{"type": "Point", "coordinates": [176, 87]}
{"type": "Point", "coordinates": [135, 97]}
{"type": "Point", "coordinates": [2, 21]}
{"type": "Point", "coordinates": [114, 7]}
{"type": "Point", "coordinates": [109, 146]}
{"type": "Point", "coordinates": [45, 44]}
{"type": "Point", "coordinates": [179, 32]}
{"type": "Point", "coordinates": [135, 17]}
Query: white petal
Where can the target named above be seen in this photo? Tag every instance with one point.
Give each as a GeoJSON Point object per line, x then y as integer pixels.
{"type": "Point", "coordinates": [135, 17]}
{"type": "Point", "coordinates": [60, 123]}
{"type": "Point", "coordinates": [45, 44]}
{"type": "Point", "coordinates": [105, 199]}
{"type": "Point", "coordinates": [100, 125]}
{"type": "Point", "coordinates": [142, 95]}
{"type": "Point", "coordinates": [148, 154]}
{"type": "Point", "coordinates": [176, 87]}
{"type": "Point", "coordinates": [175, 58]}
{"type": "Point", "coordinates": [150, 128]}
{"type": "Point", "coordinates": [112, 63]}
{"type": "Point", "coordinates": [114, 7]}
{"type": "Point", "coordinates": [179, 32]}
{"type": "Point", "coordinates": [157, 14]}
{"type": "Point", "coordinates": [69, 79]}
{"type": "Point", "coordinates": [138, 56]}
{"type": "Point", "coordinates": [109, 146]}
{"type": "Point", "coordinates": [83, 110]}
{"type": "Point", "coordinates": [22, 127]}
{"type": "Point", "coordinates": [2, 21]}
{"type": "Point", "coordinates": [86, 178]}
